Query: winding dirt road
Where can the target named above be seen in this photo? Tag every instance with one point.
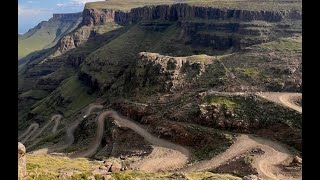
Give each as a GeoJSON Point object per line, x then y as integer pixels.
{"type": "Point", "coordinates": [56, 118]}
{"type": "Point", "coordinates": [31, 130]}
{"type": "Point", "coordinates": [275, 153]}
{"type": "Point", "coordinates": [160, 159]}
{"type": "Point", "coordinates": [35, 126]}
{"type": "Point", "coordinates": [286, 99]}
{"type": "Point", "coordinates": [183, 156]}
{"type": "Point", "coordinates": [69, 138]}
{"type": "Point", "coordinates": [169, 156]}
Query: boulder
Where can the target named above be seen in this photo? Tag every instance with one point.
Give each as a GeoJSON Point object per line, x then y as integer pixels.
{"type": "Point", "coordinates": [296, 161]}
{"type": "Point", "coordinates": [22, 170]}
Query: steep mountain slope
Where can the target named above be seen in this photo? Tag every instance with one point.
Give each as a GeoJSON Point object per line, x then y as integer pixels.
{"type": "Point", "coordinates": [182, 71]}
{"type": "Point", "coordinates": [47, 33]}
{"type": "Point", "coordinates": [107, 61]}
{"type": "Point", "coordinates": [185, 31]}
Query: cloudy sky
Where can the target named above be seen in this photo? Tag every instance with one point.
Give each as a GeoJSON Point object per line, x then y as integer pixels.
{"type": "Point", "coordinates": [31, 12]}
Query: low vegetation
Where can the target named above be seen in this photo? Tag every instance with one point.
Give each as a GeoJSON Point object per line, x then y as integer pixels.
{"type": "Point", "coordinates": [34, 94]}
{"type": "Point", "coordinates": [289, 45]}
{"type": "Point", "coordinates": [216, 141]}
{"type": "Point", "coordinates": [68, 98]}
{"type": "Point", "coordinates": [221, 100]}
{"type": "Point", "coordinates": [250, 109]}
{"type": "Point", "coordinates": [46, 167]}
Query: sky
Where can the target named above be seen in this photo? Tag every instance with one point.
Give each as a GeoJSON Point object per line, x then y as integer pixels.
{"type": "Point", "coordinates": [32, 12]}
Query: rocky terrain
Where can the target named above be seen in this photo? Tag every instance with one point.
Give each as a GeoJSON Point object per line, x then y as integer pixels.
{"type": "Point", "coordinates": [136, 84]}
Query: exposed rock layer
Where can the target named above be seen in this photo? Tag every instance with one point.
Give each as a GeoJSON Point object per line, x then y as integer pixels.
{"type": "Point", "coordinates": [182, 11]}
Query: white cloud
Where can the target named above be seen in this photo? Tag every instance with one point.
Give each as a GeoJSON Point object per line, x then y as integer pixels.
{"type": "Point", "coordinates": [24, 11]}
{"type": "Point", "coordinates": [60, 4]}
{"type": "Point", "coordinates": [82, 2]}
{"type": "Point", "coordinates": [30, 2]}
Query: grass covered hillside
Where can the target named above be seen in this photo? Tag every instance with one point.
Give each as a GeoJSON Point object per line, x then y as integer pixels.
{"type": "Point", "coordinates": [183, 90]}
{"type": "Point", "coordinates": [46, 34]}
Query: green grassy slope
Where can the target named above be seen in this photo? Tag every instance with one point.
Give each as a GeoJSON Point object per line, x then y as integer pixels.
{"type": "Point", "coordinates": [275, 65]}
{"type": "Point", "coordinates": [45, 35]}
{"type": "Point", "coordinates": [122, 50]}
{"type": "Point", "coordinates": [71, 96]}
{"type": "Point", "coordinates": [31, 92]}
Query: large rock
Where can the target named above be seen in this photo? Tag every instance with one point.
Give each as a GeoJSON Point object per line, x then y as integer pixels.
{"type": "Point", "coordinates": [296, 161]}
{"type": "Point", "coordinates": [22, 170]}
{"type": "Point", "coordinates": [166, 73]}
{"type": "Point", "coordinates": [74, 39]}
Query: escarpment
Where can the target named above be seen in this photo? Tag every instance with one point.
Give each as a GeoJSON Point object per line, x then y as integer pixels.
{"type": "Point", "coordinates": [204, 30]}
{"type": "Point", "coordinates": [182, 11]}
{"type": "Point", "coordinates": [192, 47]}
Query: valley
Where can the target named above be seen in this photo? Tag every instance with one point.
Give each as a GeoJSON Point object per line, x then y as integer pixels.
{"type": "Point", "coordinates": [164, 90]}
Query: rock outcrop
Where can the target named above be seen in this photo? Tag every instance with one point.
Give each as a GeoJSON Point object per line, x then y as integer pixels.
{"type": "Point", "coordinates": [103, 16]}
{"type": "Point", "coordinates": [22, 169]}
{"type": "Point", "coordinates": [75, 39]}
{"type": "Point", "coordinates": [182, 11]}
{"type": "Point", "coordinates": [296, 161]}
{"type": "Point", "coordinates": [166, 73]}
{"type": "Point", "coordinates": [218, 116]}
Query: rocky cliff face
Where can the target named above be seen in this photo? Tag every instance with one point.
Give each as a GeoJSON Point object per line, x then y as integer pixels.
{"type": "Point", "coordinates": [180, 12]}
{"type": "Point", "coordinates": [100, 16]}
{"type": "Point", "coordinates": [75, 39]}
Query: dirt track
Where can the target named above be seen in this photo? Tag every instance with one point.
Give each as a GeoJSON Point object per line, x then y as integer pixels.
{"type": "Point", "coordinates": [169, 156]}
{"type": "Point", "coordinates": [69, 133]}
{"type": "Point", "coordinates": [35, 126]}
{"type": "Point", "coordinates": [28, 133]}
{"type": "Point", "coordinates": [275, 153]}
{"type": "Point", "coordinates": [286, 99]}
{"type": "Point", "coordinates": [160, 159]}
{"type": "Point", "coordinates": [55, 118]}
{"type": "Point", "coordinates": [70, 130]}
{"type": "Point", "coordinates": [124, 122]}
